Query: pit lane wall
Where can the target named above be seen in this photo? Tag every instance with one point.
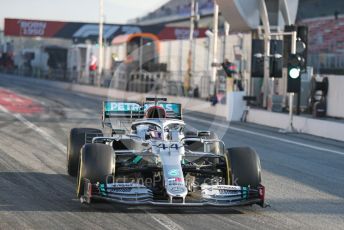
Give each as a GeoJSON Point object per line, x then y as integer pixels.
{"type": "Point", "coordinates": [335, 103]}
{"type": "Point", "coordinates": [309, 125]}
{"type": "Point", "coordinates": [318, 127]}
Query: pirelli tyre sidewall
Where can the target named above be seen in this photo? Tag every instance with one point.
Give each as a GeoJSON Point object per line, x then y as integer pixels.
{"type": "Point", "coordinates": [244, 166]}
{"type": "Point", "coordinates": [75, 141]}
{"type": "Point", "coordinates": [96, 162]}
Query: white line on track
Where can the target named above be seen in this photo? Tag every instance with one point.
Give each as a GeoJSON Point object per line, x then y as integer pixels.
{"type": "Point", "coordinates": [164, 221]}
{"type": "Point", "coordinates": [34, 127]}
{"type": "Point", "coordinates": [266, 136]}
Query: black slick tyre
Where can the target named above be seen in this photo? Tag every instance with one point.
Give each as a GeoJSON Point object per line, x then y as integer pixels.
{"type": "Point", "coordinates": [245, 169]}
{"type": "Point", "coordinates": [96, 162]}
{"type": "Point", "coordinates": [77, 138]}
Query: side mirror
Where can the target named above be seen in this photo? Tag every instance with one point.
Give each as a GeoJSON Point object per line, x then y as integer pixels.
{"type": "Point", "coordinates": [203, 134]}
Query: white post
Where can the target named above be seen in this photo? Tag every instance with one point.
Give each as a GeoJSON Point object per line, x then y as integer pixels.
{"type": "Point", "coordinates": [215, 41]}
{"type": "Point", "coordinates": [227, 26]}
{"type": "Point", "coordinates": [291, 95]}
{"type": "Point", "coordinates": [100, 41]}
{"type": "Point", "coordinates": [190, 58]}
{"type": "Point", "coordinates": [266, 68]}
{"type": "Point", "coordinates": [192, 22]}
{"type": "Point", "coordinates": [265, 20]}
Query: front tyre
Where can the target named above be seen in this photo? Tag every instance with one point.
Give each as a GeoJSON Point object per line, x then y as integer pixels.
{"type": "Point", "coordinates": [77, 138]}
{"type": "Point", "coordinates": [244, 165]}
{"type": "Point", "coordinates": [96, 162]}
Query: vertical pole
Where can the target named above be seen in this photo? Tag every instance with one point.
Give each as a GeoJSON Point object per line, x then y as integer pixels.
{"type": "Point", "coordinates": [291, 95]}
{"type": "Point", "coordinates": [273, 70]}
{"type": "Point", "coordinates": [298, 98]}
{"type": "Point", "coordinates": [298, 102]}
{"type": "Point", "coordinates": [196, 20]}
{"type": "Point", "coordinates": [140, 85]}
{"type": "Point", "coordinates": [265, 20]}
{"type": "Point", "coordinates": [100, 41]}
{"type": "Point", "coordinates": [266, 67]}
{"type": "Point", "coordinates": [225, 39]}
{"type": "Point", "coordinates": [180, 55]}
{"type": "Point", "coordinates": [215, 41]}
{"type": "Point", "coordinates": [207, 64]}
{"type": "Point", "coordinates": [192, 22]}
{"type": "Point", "coordinates": [190, 54]}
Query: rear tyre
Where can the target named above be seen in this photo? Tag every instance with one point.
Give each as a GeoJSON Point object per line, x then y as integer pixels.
{"type": "Point", "coordinates": [77, 138]}
{"type": "Point", "coordinates": [96, 162]}
{"type": "Point", "coordinates": [245, 166]}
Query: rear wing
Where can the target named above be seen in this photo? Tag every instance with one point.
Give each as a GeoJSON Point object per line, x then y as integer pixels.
{"type": "Point", "coordinates": [121, 109]}
{"type": "Point", "coordinates": [173, 110]}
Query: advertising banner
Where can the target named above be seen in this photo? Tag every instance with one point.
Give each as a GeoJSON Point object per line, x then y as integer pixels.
{"type": "Point", "coordinates": [80, 32]}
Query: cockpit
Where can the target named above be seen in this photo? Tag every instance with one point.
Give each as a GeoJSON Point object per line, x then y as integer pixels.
{"type": "Point", "coordinates": [158, 129]}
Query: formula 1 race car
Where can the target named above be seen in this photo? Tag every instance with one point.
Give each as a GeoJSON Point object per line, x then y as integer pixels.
{"type": "Point", "coordinates": [150, 158]}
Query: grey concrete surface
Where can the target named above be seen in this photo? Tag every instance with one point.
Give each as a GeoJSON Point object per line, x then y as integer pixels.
{"type": "Point", "coordinates": [303, 175]}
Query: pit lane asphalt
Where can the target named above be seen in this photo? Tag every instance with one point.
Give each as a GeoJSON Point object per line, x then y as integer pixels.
{"type": "Point", "coordinates": [304, 185]}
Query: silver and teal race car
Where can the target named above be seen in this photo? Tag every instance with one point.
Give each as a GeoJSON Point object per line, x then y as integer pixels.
{"type": "Point", "coordinates": [148, 157]}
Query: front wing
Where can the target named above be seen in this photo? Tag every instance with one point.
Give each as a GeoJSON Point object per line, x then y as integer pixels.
{"type": "Point", "coordinates": [137, 194]}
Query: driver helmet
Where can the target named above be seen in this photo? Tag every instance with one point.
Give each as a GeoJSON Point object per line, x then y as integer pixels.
{"type": "Point", "coordinates": [154, 133]}
{"type": "Point", "coordinates": [155, 112]}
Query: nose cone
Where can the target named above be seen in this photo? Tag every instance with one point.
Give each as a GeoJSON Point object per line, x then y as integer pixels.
{"type": "Point", "coordinates": [175, 187]}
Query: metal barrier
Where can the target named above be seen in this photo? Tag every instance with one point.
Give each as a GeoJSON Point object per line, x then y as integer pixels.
{"type": "Point", "coordinates": [142, 82]}
{"type": "Point", "coordinates": [165, 83]}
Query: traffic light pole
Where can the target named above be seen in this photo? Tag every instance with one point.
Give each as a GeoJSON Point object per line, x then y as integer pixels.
{"type": "Point", "coordinates": [290, 127]}
{"type": "Point", "coordinates": [267, 36]}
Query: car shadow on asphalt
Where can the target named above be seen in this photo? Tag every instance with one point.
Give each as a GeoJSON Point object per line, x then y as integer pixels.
{"type": "Point", "coordinates": [31, 191]}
